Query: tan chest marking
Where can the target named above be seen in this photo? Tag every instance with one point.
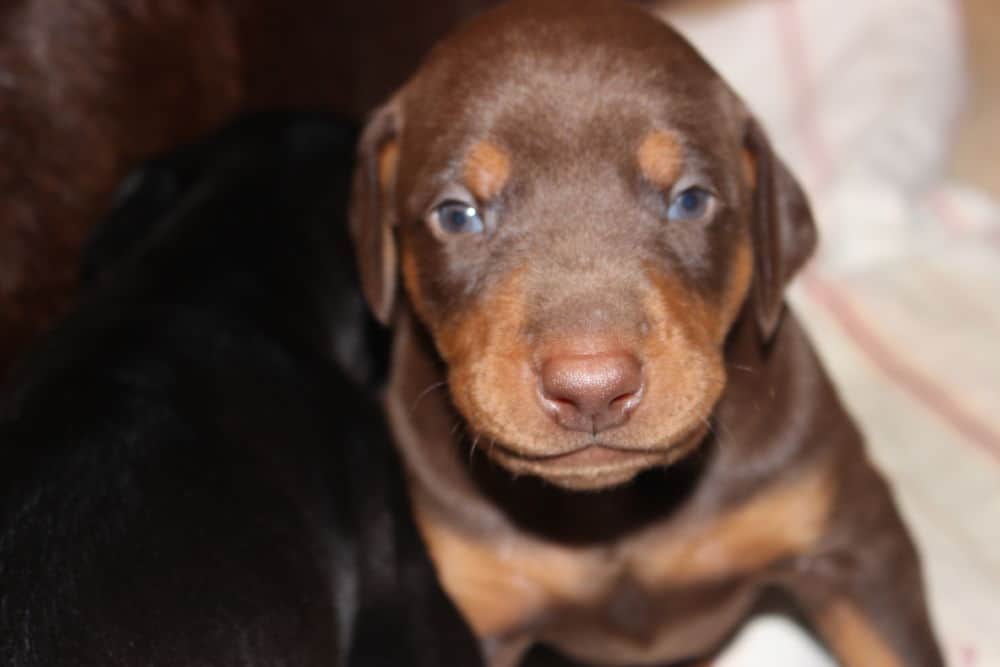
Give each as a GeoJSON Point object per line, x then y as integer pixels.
{"type": "Point", "coordinates": [504, 584]}
{"type": "Point", "coordinates": [771, 526]}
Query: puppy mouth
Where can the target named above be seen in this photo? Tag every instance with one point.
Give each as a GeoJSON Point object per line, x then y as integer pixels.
{"type": "Point", "coordinates": [596, 454]}
{"type": "Point", "coordinates": [597, 465]}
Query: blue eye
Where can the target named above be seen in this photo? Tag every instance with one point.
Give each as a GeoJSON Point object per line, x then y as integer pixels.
{"type": "Point", "coordinates": [692, 204]}
{"type": "Point", "coordinates": [455, 217]}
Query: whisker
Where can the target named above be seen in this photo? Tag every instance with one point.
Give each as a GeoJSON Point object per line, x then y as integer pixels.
{"type": "Point", "coordinates": [708, 423]}
{"type": "Point", "coordinates": [721, 433]}
{"type": "Point", "coordinates": [723, 429]}
{"type": "Point", "coordinates": [425, 392]}
{"type": "Point", "coordinates": [716, 435]}
{"type": "Point", "coordinates": [472, 449]}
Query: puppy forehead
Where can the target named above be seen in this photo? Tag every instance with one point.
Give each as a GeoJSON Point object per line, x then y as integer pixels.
{"type": "Point", "coordinates": [619, 33]}
{"type": "Point", "coordinates": [568, 101]}
{"type": "Point", "coordinates": [572, 57]}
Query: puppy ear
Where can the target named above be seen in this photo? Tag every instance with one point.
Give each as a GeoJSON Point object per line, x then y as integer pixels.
{"type": "Point", "coordinates": [372, 213]}
{"type": "Point", "coordinates": [783, 231]}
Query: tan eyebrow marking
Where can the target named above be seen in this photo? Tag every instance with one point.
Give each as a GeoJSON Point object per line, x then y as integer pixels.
{"type": "Point", "coordinates": [660, 158]}
{"type": "Point", "coordinates": [487, 170]}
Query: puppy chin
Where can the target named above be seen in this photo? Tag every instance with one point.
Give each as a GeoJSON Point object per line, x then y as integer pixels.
{"type": "Point", "coordinates": [592, 482]}
{"type": "Point", "coordinates": [587, 470]}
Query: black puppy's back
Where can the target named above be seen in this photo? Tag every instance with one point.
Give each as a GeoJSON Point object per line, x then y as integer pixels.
{"type": "Point", "coordinates": [187, 474]}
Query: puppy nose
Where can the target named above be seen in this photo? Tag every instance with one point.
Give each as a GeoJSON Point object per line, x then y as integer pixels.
{"type": "Point", "coordinates": [593, 392]}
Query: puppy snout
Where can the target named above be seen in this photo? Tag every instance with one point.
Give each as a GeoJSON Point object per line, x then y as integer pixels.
{"type": "Point", "coordinates": [592, 392]}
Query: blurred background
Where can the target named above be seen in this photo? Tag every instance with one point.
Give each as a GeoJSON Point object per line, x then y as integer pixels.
{"type": "Point", "coordinates": [887, 110]}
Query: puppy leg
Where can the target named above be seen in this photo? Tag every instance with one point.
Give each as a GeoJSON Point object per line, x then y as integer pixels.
{"type": "Point", "coordinates": [863, 589]}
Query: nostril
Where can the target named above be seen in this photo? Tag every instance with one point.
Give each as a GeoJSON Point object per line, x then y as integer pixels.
{"type": "Point", "coordinates": [625, 401]}
{"type": "Point", "coordinates": [560, 404]}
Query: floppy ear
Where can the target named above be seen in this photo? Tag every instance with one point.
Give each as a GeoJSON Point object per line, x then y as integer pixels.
{"type": "Point", "coordinates": [783, 231]}
{"type": "Point", "coordinates": [372, 212]}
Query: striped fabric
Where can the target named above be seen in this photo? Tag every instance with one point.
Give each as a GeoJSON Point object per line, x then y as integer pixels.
{"type": "Point", "coordinates": [903, 302]}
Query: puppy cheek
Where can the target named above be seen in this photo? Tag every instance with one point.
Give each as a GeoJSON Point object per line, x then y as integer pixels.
{"type": "Point", "coordinates": [683, 392]}
{"type": "Point", "coordinates": [463, 390]}
{"type": "Point", "coordinates": [464, 359]}
{"type": "Point", "coordinates": [685, 366]}
{"type": "Point", "coordinates": [459, 341]}
{"type": "Point", "coordinates": [486, 358]}
{"type": "Point", "coordinates": [737, 289]}
{"type": "Point", "coordinates": [493, 395]}
{"type": "Point", "coordinates": [414, 289]}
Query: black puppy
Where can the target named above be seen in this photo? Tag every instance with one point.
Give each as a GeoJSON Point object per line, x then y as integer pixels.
{"type": "Point", "coordinates": [188, 475]}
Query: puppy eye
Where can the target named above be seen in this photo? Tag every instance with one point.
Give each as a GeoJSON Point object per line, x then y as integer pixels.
{"type": "Point", "coordinates": [455, 217]}
{"type": "Point", "coordinates": [692, 204]}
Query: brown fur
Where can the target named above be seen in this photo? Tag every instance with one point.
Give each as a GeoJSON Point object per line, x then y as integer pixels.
{"type": "Point", "coordinates": [736, 469]}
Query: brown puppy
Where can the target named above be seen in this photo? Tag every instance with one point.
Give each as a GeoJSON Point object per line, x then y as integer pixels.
{"type": "Point", "coordinates": [617, 437]}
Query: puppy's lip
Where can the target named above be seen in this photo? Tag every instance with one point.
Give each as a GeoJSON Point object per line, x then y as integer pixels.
{"type": "Point", "coordinates": [589, 454]}
{"type": "Point", "coordinates": [588, 467]}
{"type": "Point", "coordinates": [599, 455]}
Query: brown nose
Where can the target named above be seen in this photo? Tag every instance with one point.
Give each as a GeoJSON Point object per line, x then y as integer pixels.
{"type": "Point", "coordinates": [593, 392]}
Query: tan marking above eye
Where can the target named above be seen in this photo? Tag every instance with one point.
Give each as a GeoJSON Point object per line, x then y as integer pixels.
{"type": "Point", "coordinates": [661, 158]}
{"type": "Point", "coordinates": [487, 170]}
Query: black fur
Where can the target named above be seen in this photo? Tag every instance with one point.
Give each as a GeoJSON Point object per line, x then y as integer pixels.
{"type": "Point", "coordinates": [193, 470]}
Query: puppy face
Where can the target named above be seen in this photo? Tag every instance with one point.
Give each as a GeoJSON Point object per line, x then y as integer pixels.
{"type": "Point", "coordinates": [575, 199]}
